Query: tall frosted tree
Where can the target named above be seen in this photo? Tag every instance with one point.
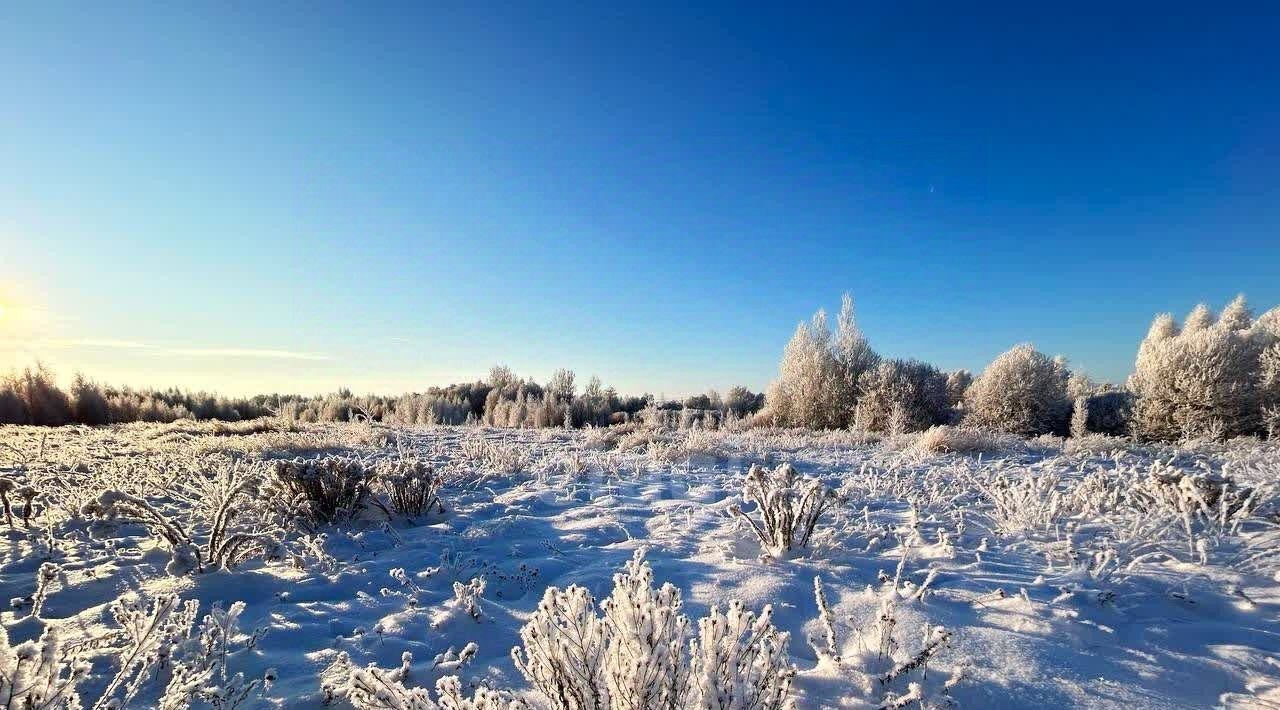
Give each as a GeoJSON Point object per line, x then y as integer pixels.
{"type": "Point", "coordinates": [853, 356]}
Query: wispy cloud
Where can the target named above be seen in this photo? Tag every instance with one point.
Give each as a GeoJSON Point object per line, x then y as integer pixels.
{"type": "Point", "coordinates": [95, 343]}
{"type": "Point", "coordinates": [247, 352]}
{"type": "Point", "coordinates": [256, 353]}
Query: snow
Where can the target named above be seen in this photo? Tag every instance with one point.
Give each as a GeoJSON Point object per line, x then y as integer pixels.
{"type": "Point", "coordinates": [1033, 618]}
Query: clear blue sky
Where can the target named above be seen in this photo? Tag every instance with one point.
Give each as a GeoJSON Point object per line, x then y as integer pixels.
{"type": "Point", "coordinates": [297, 196]}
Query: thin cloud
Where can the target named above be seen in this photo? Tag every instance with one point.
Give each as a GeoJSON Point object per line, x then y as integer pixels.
{"type": "Point", "coordinates": [247, 352]}
{"type": "Point", "coordinates": [259, 353]}
{"type": "Point", "coordinates": [94, 343]}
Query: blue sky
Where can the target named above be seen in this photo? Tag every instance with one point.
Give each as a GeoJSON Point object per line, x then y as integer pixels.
{"type": "Point", "coordinates": [309, 195]}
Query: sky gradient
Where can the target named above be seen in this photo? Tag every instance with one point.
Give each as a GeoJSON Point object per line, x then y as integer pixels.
{"type": "Point", "coordinates": [396, 196]}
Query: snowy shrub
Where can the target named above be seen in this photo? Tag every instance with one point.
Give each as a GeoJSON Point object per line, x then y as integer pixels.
{"type": "Point", "coordinates": [88, 404]}
{"type": "Point", "coordinates": [899, 396]}
{"type": "Point", "coordinates": [411, 486]}
{"type": "Point", "coordinates": [789, 507]}
{"type": "Point", "coordinates": [564, 650]}
{"type": "Point", "coordinates": [333, 488]}
{"type": "Point", "coordinates": [466, 597]}
{"type": "Point", "coordinates": [634, 656]}
{"type": "Point", "coordinates": [644, 641]}
{"type": "Point", "coordinates": [1207, 380]}
{"type": "Point", "coordinates": [1108, 412]}
{"type": "Point", "coordinates": [123, 508]}
{"type": "Point", "coordinates": [959, 440]}
{"type": "Point", "coordinates": [740, 661]}
{"type": "Point", "coordinates": [1023, 391]}
{"type": "Point", "coordinates": [148, 639]}
{"type": "Point", "coordinates": [495, 456]}
{"type": "Point", "coordinates": [878, 655]}
{"type": "Point", "coordinates": [1023, 503]}
{"type": "Point", "coordinates": [145, 641]}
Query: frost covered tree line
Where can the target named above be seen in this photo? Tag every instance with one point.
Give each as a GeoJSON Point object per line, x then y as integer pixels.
{"type": "Point", "coordinates": [503, 399]}
{"type": "Point", "coordinates": [1215, 376]}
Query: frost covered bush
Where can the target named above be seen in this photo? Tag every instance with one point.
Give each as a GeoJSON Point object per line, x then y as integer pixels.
{"type": "Point", "coordinates": [412, 487]}
{"type": "Point", "coordinates": [878, 654]}
{"type": "Point", "coordinates": [230, 535]}
{"type": "Point", "coordinates": [33, 397]}
{"type": "Point", "coordinates": [1108, 413]}
{"type": "Point", "coordinates": [789, 507]}
{"type": "Point", "coordinates": [1022, 391]}
{"type": "Point", "coordinates": [495, 456]}
{"type": "Point", "coordinates": [633, 657]}
{"type": "Point", "coordinates": [959, 440]}
{"type": "Point", "coordinates": [899, 396]}
{"type": "Point", "coordinates": [332, 489]}
{"type": "Point", "coordinates": [1213, 378]}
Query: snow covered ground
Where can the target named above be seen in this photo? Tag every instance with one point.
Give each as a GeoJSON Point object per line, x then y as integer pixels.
{"type": "Point", "coordinates": [1090, 574]}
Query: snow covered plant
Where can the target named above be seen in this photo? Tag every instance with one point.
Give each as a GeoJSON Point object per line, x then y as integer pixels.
{"type": "Point", "coordinates": [1023, 503]}
{"type": "Point", "coordinates": [221, 497]}
{"type": "Point", "coordinates": [373, 688]}
{"type": "Point", "coordinates": [411, 486]}
{"type": "Point", "coordinates": [39, 675]}
{"type": "Point", "coordinates": [494, 456]}
{"type": "Point", "coordinates": [789, 507]}
{"type": "Point", "coordinates": [201, 667]}
{"type": "Point", "coordinates": [633, 657]}
{"type": "Point", "coordinates": [877, 656]}
{"type": "Point", "coordinates": [27, 494]}
{"type": "Point", "coordinates": [332, 489]}
{"type": "Point", "coordinates": [46, 675]}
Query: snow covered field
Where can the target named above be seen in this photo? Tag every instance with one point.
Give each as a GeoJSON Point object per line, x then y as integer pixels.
{"type": "Point", "coordinates": [1086, 573]}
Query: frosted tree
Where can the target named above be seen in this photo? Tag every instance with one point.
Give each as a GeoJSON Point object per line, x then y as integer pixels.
{"type": "Point", "coordinates": [853, 356]}
{"type": "Point", "coordinates": [1022, 391]}
{"type": "Point", "coordinates": [1208, 380]}
{"type": "Point", "coordinates": [1269, 388]}
{"type": "Point", "coordinates": [803, 394]}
